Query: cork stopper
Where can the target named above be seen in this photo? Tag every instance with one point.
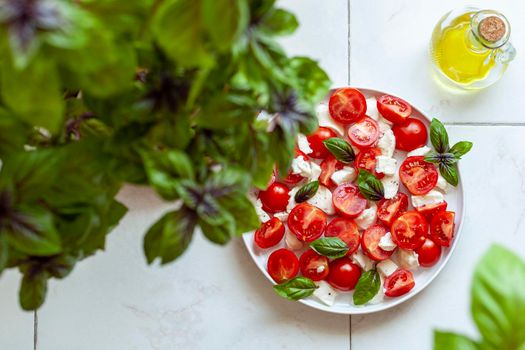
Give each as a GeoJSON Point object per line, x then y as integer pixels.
{"type": "Point", "coordinates": [492, 28]}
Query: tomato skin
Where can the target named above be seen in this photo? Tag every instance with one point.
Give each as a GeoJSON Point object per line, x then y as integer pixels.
{"type": "Point", "coordinates": [429, 211]}
{"type": "Point", "coordinates": [316, 139]}
{"type": "Point", "coordinates": [399, 283]}
{"type": "Point", "coordinates": [275, 198]}
{"type": "Point", "coordinates": [347, 105]}
{"type": "Point", "coordinates": [282, 265]}
{"type": "Point", "coordinates": [418, 176]}
{"type": "Point", "coordinates": [366, 159]}
{"type": "Point", "coordinates": [364, 132]}
{"type": "Point", "coordinates": [269, 233]}
{"type": "Point", "coordinates": [292, 179]}
{"type": "Point", "coordinates": [410, 135]}
{"type": "Point", "coordinates": [389, 209]}
{"type": "Point", "coordinates": [346, 230]}
{"type": "Point", "coordinates": [343, 274]}
{"type": "Point", "coordinates": [409, 230]}
{"type": "Point", "coordinates": [393, 108]}
{"type": "Point", "coordinates": [442, 228]}
{"type": "Point", "coordinates": [348, 201]}
{"type": "Point", "coordinates": [328, 167]}
{"type": "Point", "coordinates": [370, 243]}
{"type": "Point", "coordinates": [311, 263]}
{"type": "Point", "coordinates": [307, 222]}
{"type": "Point", "coordinates": [429, 253]}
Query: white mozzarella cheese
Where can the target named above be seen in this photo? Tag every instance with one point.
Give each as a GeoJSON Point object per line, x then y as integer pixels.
{"type": "Point", "coordinates": [291, 200]}
{"type": "Point", "coordinates": [324, 118]}
{"type": "Point", "coordinates": [386, 242]}
{"type": "Point", "coordinates": [386, 267]}
{"type": "Point", "coordinates": [323, 200]}
{"type": "Point", "coordinates": [315, 172]}
{"type": "Point", "coordinates": [283, 216]}
{"type": "Point", "coordinates": [303, 144]}
{"type": "Point", "coordinates": [301, 167]}
{"type": "Point", "coordinates": [291, 241]}
{"type": "Point", "coordinates": [347, 174]}
{"type": "Point", "coordinates": [407, 259]}
{"type": "Point", "coordinates": [442, 184]}
{"type": "Point", "coordinates": [383, 126]}
{"type": "Point", "coordinates": [386, 165]}
{"type": "Point", "coordinates": [325, 293]}
{"type": "Point", "coordinates": [390, 185]}
{"type": "Point", "coordinates": [367, 218]}
{"type": "Point", "coordinates": [421, 151]}
{"type": "Point", "coordinates": [362, 260]}
{"type": "Point", "coordinates": [263, 216]}
{"type": "Point", "coordinates": [387, 143]}
{"type": "Point", "coordinates": [371, 108]}
{"type": "Point", "coordinates": [432, 197]}
{"type": "Point", "coordinates": [385, 121]}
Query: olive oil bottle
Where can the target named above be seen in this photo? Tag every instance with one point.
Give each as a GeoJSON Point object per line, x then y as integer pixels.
{"type": "Point", "coordinates": [470, 48]}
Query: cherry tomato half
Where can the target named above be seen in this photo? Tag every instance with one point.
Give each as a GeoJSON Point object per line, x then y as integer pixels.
{"type": "Point", "coordinates": [275, 198]}
{"type": "Point", "coordinates": [292, 179]}
{"type": "Point", "coordinates": [346, 230]}
{"type": "Point", "coordinates": [418, 176]}
{"type": "Point", "coordinates": [269, 233]}
{"type": "Point", "coordinates": [399, 283]}
{"type": "Point", "coordinates": [364, 132]}
{"type": "Point", "coordinates": [393, 108]}
{"type": "Point", "coordinates": [348, 201]}
{"type": "Point", "coordinates": [313, 265]}
{"type": "Point", "coordinates": [370, 243]}
{"type": "Point", "coordinates": [366, 160]}
{"type": "Point", "coordinates": [307, 222]}
{"type": "Point", "coordinates": [442, 228]}
{"type": "Point", "coordinates": [316, 139]}
{"type": "Point", "coordinates": [347, 105]}
{"type": "Point", "coordinates": [409, 230]}
{"type": "Point", "coordinates": [429, 253]}
{"type": "Point", "coordinates": [389, 209]}
{"type": "Point", "coordinates": [343, 274]}
{"type": "Point", "coordinates": [429, 210]}
{"type": "Point", "coordinates": [283, 265]}
{"type": "Point", "coordinates": [410, 135]}
{"type": "Point", "coordinates": [328, 167]}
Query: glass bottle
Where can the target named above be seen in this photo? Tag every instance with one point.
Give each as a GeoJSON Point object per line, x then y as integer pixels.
{"type": "Point", "coordinates": [470, 48]}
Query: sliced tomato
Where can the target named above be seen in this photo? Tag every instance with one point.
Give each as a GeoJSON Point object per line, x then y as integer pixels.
{"type": "Point", "coordinates": [275, 198]}
{"type": "Point", "coordinates": [313, 265]}
{"type": "Point", "coordinates": [348, 201]}
{"type": "Point", "coordinates": [410, 134]}
{"type": "Point", "coordinates": [269, 233]}
{"type": "Point", "coordinates": [364, 132]}
{"type": "Point", "coordinates": [393, 108]}
{"type": "Point", "coordinates": [292, 179]}
{"type": "Point", "coordinates": [442, 228]}
{"type": "Point", "coordinates": [347, 105]}
{"type": "Point", "coordinates": [429, 253]}
{"type": "Point", "coordinates": [389, 209]}
{"type": "Point", "coordinates": [316, 139]}
{"type": "Point", "coordinates": [283, 265]}
{"type": "Point", "coordinates": [370, 243]}
{"type": "Point", "coordinates": [307, 222]}
{"type": "Point", "coordinates": [429, 210]}
{"type": "Point", "coordinates": [409, 230]}
{"type": "Point", "coordinates": [346, 230]}
{"type": "Point", "coordinates": [366, 159]}
{"type": "Point", "coordinates": [418, 176]}
{"type": "Point", "coordinates": [399, 283]}
{"type": "Point", "coordinates": [328, 167]}
{"type": "Point", "coordinates": [343, 274]}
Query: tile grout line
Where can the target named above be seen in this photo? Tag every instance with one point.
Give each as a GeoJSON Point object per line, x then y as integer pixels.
{"type": "Point", "coordinates": [349, 53]}
{"type": "Point", "coordinates": [35, 330]}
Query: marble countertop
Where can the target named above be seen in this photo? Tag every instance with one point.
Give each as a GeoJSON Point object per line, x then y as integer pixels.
{"type": "Point", "coordinates": [215, 298]}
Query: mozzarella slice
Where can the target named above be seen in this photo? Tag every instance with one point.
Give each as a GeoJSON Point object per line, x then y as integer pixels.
{"type": "Point", "coordinates": [301, 167]}
{"type": "Point", "coordinates": [383, 126]}
{"type": "Point", "coordinates": [283, 216]}
{"type": "Point", "coordinates": [263, 216]}
{"type": "Point", "coordinates": [362, 260]}
{"type": "Point", "coordinates": [432, 197]}
{"type": "Point", "coordinates": [421, 151]}
{"type": "Point", "coordinates": [386, 267]}
{"type": "Point", "coordinates": [371, 108]}
{"type": "Point", "coordinates": [367, 218]}
{"type": "Point", "coordinates": [442, 184]}
{"type": "Point", "coordinates": [407, 259]}
{"type": "Point", "coordinates": [316, 171]}
{"type": "Point", "coordinates": [347, 174]}
{"type": "Point", "coordinates": [323, 200]}
{"type": "Point", "coordinates": [324, 119]}
{"type": "Point", "coordinates": [387, 143]}
{"type": "Point", "coordinates": [386, 242]}
{"type": "Point", "coordinates": [390, 185]}
{"type": "Point", "coordinates": [325, 293]}
{"type": "Point", "coordinates": [303, 144]}
{"type": "Point", "coordinates": [291, 241]}
{"type": "Point", "coordinates": [291, 200]}
{"type": "Point", "coordinates": [386, 165]}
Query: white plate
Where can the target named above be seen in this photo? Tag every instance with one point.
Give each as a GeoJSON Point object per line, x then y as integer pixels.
{"type": "Point", "coordinates": [423, 276]}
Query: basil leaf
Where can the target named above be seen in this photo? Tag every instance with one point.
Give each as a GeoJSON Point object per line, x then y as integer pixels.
{"type": "Point", "coordinates": [439, 136]}
{"type": "Point", "coordinates": [450, 173]}
{"type": "Point", "coordinates": [33, 290]}
{"type": "Point", "coordinates": [296, 288]}
{"type": "Point", "coordinates": [341, 150]}
{"type": "Point", "coordinates": [461, 148]}
{"type": "Point", "coordinates": [331, 247]}
{"type": "Point", "coordinates": [306, 192]}
{"type": "Point", "coordinates": [369, 186]}
{"type": "Point", "coordinates": [367, 287]}
{"type": "Point", "coordinates": [453, 341]}
{"type": "Point", "coordinates": [438, 158]}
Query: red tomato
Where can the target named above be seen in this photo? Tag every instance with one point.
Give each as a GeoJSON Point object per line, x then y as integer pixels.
{"type": "Point", "coordinates": [364, 132]}
{"type": "Point", "coordinates": [316, 142]}
{"type": "Point", "coordinates": [270, 233]}
{"type": "Point", "coordinates": [442, 228]}
{"type": "Point", "coordinates": [410, 135]}
{"type": "Point", "coordinates": [346, 230]}
{"type": "Point", "coordinates": [389, 209]}
{"type": "Point", "coordinates": [418, 176]}
{"type": "Point", "coordinates": [275, 198]}
{"type": "Point", "coordinates": [399, 283]}
{"type": "Point", "coordinates": [429, 253]}
{"type": "Point", "coordinates": [307, 222]}
{"type": "Point", "coordinates": [343, 274]}
{"type": "Point", "coordinates": [393, 108]}
{"type": "Point", "coordinates": [283, 265]}
{"type": "Point", "coordinates": [348, 201]}
{"type": "Point", "coordinates": [329, 166]}
{"type": "Point", "coordinates": [370, 243]}
{"type": "Point", "coordinates": [347, 105]}
{"type": "Point", "coordinates": [292, 179]}
{"type": "Point", "coordinates": [313, 265]}
{"type": "Point", "coordinates": [366, 160]}
{"type": "Point", "coordinates": [409, 230]}
{"type": "Point", "coordinates": [429, 210]}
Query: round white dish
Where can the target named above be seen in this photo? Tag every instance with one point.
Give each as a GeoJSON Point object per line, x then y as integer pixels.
{"type": "Point", "coordinates": [423, 276]}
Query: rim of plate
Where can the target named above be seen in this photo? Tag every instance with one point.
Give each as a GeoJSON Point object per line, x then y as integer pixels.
{"type": "Point", "coordinates": [369, 309]}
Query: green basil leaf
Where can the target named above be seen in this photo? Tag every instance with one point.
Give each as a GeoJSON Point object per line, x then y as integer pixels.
{"type": "Point", "coordinates": [4, 253]}
{"type": "Point", "coordinates": [219, 233]}
{"type": "Point", "coordinates": [369, 186]}
{"type": "Point", "coordinates": [367, 287]}
{"type": "Point", "coordinates": [224, 29]}
{"type": "Point", "coordinates": [453, 341]}
{"type": "Point", "coordinates": [331, 247]}
{"type": "Point", "coordinates": [461, 148]}
{"type": "Point", "coordinates": [242, 209]}
{"type": "Point", "coordinates": [433, 157]}
{"type": "Point", "coordinates": [279, 22]}
{"type": "Point", "coordinates": [450, 173]}
{"type": "Point", "coordinates": [439, 136]}
{"type": "Point", "coordinates": [296, 288]}
{"type": "Point", "coordinates": [438, 158]}
{"type": "Point", "coordinates": [498, 299]}
{"type": "Point", "coordinates": [306, 192]}
{"type": "Point", "coordinates": [61, 265]}
{"type": "Point", "coordinates": [341, 150]}
{"type": "Point", "coordinates": [33, 290]}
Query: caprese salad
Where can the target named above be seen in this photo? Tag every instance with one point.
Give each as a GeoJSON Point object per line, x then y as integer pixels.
{"type": "Point", "coordinates": [363, 205]}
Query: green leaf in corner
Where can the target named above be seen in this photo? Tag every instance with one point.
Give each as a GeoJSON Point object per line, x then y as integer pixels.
{"type": "Point", "coordinates": [450, 173]}
{"type": "Point", "coordinates": [331, 247]}
{"type": "Point", "coordinates": [367, 287]}
{"type": "Point", "coordinates": [439, 136]}
{"type": "Point", "coordinates": [461, 148]}
{"type": "Point", "coordinates": [307, 191]}
{"type": "Point", "coordinates": [33, 290]}
{"type": "Point", "coordinates": [296, 288]}
{"type": "Point", "coordinates": [341, 150]}
{"type": "Point", "coordinates": [453, 341]}
{"type": "Point", "coordinates": [369, 186]}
